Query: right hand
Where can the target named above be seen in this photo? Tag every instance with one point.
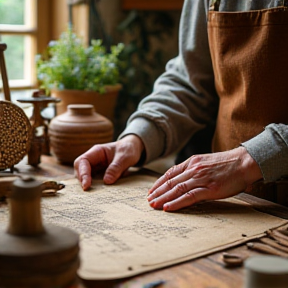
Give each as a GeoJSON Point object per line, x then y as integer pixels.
{"type": "Point", "coordinates": [115, 158]}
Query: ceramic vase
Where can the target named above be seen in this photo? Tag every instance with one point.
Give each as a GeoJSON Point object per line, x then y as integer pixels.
{"type": "Point", "coordinates": [76, 131]}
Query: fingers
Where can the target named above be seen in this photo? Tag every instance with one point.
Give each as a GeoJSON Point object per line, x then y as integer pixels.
{"type": "Point", "coordinates": [175, 185]}
{"type": "Point", "coordinates": [181, 195]}
{"type": "Point", "coordinates": [114, 158]}
{"type": "Point", "coordinates": [114, 171]}
{"type": "Point", "coordinates": [203, 177]}
{"type": "Point", "coordinates": [84, 163]}
{"type": "Point", "coordinates": [128, 153]}
{"type": "Point", "coordinates": [84, 173]}
{"type": "Point", "coordinates": [179, 188]}
{"type": "Point", "coordinates": [167, 178]}
{"type": "Point", "coordinates": [194, 196]}
{"type": "Point", "coordinates": [120, 164]}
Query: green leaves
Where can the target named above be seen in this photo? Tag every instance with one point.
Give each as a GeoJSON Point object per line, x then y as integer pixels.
{"type": "Point", "coordinates": [70, 65]}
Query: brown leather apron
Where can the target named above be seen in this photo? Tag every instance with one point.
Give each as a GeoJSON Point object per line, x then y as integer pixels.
{"type": "Point", "coordinates": [250, 59]}
{"type": "Point", "coordinates": [249, 53]}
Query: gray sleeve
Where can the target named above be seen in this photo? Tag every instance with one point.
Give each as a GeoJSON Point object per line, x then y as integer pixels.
{"type": "Point", "coordinates": [270, 150]}
{"type": "Point", "coordinates": [184, 99]}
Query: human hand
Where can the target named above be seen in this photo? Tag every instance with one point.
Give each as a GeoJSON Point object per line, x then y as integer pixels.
{"type": "Point", "coordinates": [204, 177]}
{"type": "Point", "coordinates": [115, 157]}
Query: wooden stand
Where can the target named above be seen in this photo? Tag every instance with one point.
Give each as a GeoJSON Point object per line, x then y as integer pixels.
{"type": "Point", "coordinates": [39, 143]}
{"type": "Point", "coordinates": [33, 255]}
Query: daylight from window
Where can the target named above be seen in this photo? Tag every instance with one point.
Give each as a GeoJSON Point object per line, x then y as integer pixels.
{"type": "Point", "coordinates": [12, 12]}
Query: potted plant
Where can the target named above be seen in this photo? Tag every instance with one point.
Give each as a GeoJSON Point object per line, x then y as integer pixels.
{"type": "Point", "coordinates": [80, 75]}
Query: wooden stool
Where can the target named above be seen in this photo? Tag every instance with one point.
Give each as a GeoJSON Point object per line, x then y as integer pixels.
{"type": "Point", "coordinates": [33, 255]}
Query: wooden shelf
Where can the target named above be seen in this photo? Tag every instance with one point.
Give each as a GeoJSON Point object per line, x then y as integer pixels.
{"type": "Point", "coordinates": [152, 4]}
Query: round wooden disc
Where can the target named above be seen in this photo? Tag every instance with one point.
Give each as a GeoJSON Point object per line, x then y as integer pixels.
{"type": "Point", "coordinates": [15, 130]}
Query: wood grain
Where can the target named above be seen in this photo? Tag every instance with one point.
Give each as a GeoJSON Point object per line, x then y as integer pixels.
{"type": "Point", "coordinates": [208, 271]}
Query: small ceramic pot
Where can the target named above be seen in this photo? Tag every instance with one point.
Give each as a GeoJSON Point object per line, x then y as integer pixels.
{"type": "Point", "coordinates": [76, 131]}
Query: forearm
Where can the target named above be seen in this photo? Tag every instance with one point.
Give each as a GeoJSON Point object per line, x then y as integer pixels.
{"type": "Point", "coordinates": [184, 99]}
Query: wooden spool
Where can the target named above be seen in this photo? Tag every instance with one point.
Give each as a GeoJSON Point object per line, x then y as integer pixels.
{"type": "Point", "coordinates": [15, 132]}
{"type": "Point", "coordinates": [33, 255]}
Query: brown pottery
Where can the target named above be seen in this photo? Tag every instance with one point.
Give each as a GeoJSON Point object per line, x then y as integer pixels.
{"type": "Point", "coordinates": [77, 130]}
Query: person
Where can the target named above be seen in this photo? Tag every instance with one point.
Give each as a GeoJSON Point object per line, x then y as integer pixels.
{"type": "Point", "coordinates": [231, 70]}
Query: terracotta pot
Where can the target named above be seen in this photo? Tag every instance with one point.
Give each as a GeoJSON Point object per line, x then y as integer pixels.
{"type": "Point", "coordinates": [104, 104]}
{"type": "Point", "coordinates": [77, 130]}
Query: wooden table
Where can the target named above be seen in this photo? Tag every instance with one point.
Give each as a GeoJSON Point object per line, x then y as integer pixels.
{"type": "Point", "coordinates": [209, 271]}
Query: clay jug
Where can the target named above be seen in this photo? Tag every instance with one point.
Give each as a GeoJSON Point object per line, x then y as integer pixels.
{"type": "Point", "coordinates": [76, 131]}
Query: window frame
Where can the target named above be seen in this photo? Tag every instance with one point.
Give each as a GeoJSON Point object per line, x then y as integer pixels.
{"type": "Point", "coordinates": [36, 16]}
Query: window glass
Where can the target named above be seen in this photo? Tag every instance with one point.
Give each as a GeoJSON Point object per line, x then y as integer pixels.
{"type": "Point", "coordinates": [14, 56]}
{"type": "Point", "coordinates": [12, 12]}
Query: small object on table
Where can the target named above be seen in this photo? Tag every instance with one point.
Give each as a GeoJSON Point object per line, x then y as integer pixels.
{"type": "Point", "coordinates": [40, 139]}
{"type": "Point", "coordinates": [279, 236]}
{"type": "Point", "coordinates": [49, 188]}
{"type": "Point", "coordinates": [266, 271]}
{"type": "Point", "coordinates": [36, 255]}
{"type": "Point", "coordinates": [233, 260]}
{"type": "Point", "coordinates": [274, 244]}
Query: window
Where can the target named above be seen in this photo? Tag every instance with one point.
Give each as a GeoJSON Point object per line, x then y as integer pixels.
{"type": "Point", "coordinates": [18, 29]}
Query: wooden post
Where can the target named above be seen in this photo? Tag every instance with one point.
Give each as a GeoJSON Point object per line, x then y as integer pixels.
{"type": "Point", "coordinates": [6, 89]}
{"type": "Point", "coordinates": [24, 206]}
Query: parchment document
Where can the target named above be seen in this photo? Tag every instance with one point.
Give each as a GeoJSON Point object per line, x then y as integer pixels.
{"type": "Point", "coordinates": [121, 235]}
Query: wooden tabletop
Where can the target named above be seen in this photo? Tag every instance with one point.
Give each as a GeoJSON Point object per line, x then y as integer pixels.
{"type": "Point", "coordinates": [207, 272]}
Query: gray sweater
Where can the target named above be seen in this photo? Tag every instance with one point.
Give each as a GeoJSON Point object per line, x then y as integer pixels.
{"type": "Point", "coordinates": [184, 99]}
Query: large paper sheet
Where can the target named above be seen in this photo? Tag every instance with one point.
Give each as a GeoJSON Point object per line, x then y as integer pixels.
{"type": "Point", "coordinates": [121, 235]}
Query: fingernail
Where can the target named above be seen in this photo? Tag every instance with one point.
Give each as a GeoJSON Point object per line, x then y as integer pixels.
{"type": "Point", "coordinates": [152, 203]}
{"type": "Point", "coordinates": [84, 183]}
{"type": "Point", "coordinates": [149, 198]}
{"type": "Point", "coordinates": [108, 179]}
{"type": "Point", "coordinates": [166, 207]}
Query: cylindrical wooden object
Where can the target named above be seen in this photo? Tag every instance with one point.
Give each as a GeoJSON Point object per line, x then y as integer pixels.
{"type": "Point", "coordinates": [266, 272]}
{"type": "Point", "coordinates": [6, 89]}
{"type": "Point", "coordinates": [76, 131]}
{"type": "Point", "coordinates": [25, 214]}
{"type": "Point", "coordinates": [32, 255]}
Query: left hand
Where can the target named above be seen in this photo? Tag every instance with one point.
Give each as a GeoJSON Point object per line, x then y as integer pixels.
{"type": "Point", "coordinates": [204, 177]}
